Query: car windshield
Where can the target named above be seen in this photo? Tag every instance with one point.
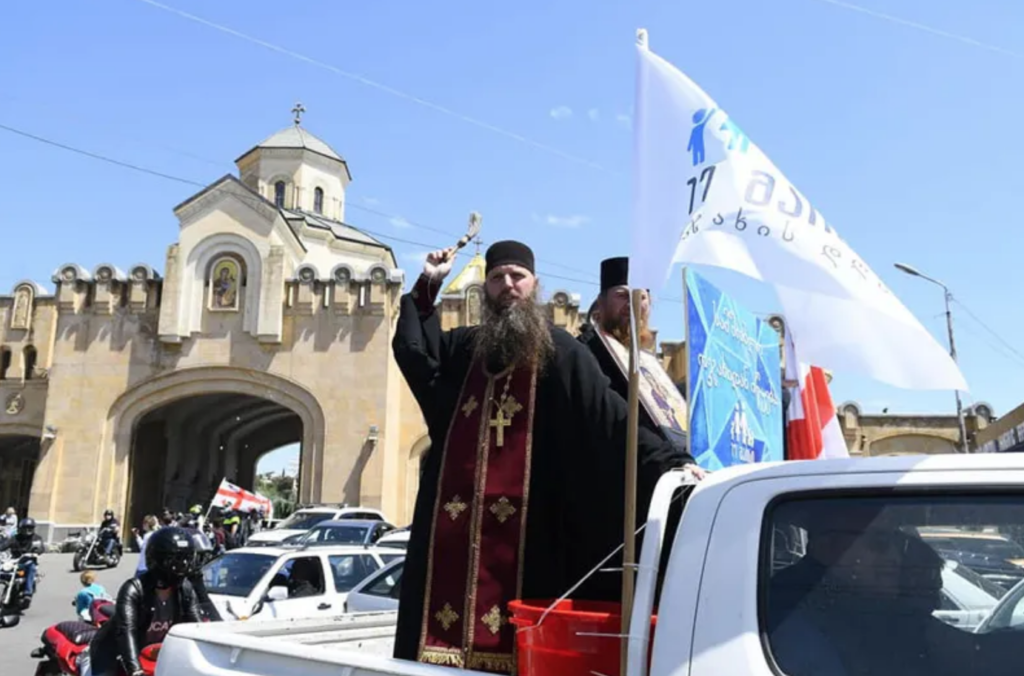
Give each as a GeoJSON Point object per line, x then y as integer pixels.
{"type": "Point", "coordinates": [335, 535]}
{"type": "Point", "coordinates": [236, 573]}
{"type": "Point", "coordinates": [303, 520]}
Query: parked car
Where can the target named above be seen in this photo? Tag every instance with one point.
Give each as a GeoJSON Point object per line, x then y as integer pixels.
{"type": "Point", "coordinates": [1007, 615]}
{"type": "Point", "coordinates": [308, 517]}
{"type": "Point", "coordinates": [341, 532]}
{"type": "Point", "coordinates": [967, 597]}
{"type": "Point", "coordinates": [397, 539]}
{"type": "Point", "coordinates": [989, 554]}
{"type": "Point", "coordinates": [291, 583]}
{"type": "Point", "coordinates": [378, 592]}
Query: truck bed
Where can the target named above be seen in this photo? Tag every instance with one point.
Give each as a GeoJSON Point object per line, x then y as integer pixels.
{"type": "Point", "coordinates": [347, 645]}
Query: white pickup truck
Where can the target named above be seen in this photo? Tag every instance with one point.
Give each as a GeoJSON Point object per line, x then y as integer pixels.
{"type": "Point", "coordinates": [795, 569]}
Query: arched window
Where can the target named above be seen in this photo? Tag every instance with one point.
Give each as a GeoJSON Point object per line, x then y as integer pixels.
{"type": "Point", "coordinates": [5, 362]}
{"type": "Point", "coordinates": [318, 200]}
{"type": "Point", "coordinates": [29, 360]}
{"type": "Point", "coordinates": [279, 189]}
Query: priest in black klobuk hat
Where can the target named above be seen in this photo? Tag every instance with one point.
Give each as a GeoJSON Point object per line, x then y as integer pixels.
{"type": "Point", "coordinates": [521, 490]}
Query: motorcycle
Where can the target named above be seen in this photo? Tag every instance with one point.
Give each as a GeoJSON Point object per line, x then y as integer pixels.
{"type": "Point", "coordinates": [64, 643]}
{"type": "Point", "coordinates": [90, 553]}
{"type": "Point", "coordinates": [13, 601]}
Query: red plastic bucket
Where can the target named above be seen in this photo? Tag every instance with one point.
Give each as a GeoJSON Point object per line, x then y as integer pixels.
{"type": "Point", "coordinates": [565, 644]}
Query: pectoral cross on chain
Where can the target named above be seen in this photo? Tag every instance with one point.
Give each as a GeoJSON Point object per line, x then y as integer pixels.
{"type": "Point", "coordinates": [506, 410]}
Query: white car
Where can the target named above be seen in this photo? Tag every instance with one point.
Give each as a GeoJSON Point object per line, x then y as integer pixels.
{"type": "Point", "coordinates": [304, 519]}
{"type": "Point", "coordinates": [967, 598]}
{"type": "Point", "coordinates": [399, 539]}
{"type": "Point", "coordinates": [378, 592]}
{"type": "Point", "coordinates": [265, 583]}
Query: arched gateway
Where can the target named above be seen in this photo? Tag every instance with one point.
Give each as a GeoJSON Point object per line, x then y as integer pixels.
{"type": "Point", "coordinates": [271, 324]}
{"type": "Point", "coordinates": [176, 436]}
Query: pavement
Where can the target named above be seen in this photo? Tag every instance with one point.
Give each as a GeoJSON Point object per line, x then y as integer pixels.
{"type": "Point", "coordinates": [52, 604]}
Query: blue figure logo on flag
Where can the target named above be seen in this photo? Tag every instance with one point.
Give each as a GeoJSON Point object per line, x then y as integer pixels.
{"type": "Point", "coordinates": [737, 139]}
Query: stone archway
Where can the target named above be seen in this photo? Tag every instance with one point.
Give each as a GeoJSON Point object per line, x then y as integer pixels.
{"type": "Point", "coordinates": [234, 388]}
{"type": "Point", "coordinates": [20, 450]}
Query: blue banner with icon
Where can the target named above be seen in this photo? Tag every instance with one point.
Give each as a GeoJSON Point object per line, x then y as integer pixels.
{"type": "Point", "coordinates": [734, 380]}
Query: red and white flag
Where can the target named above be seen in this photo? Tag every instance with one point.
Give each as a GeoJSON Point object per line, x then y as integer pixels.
{"type": "Point", "coordinates": [812, 430]}
{"type": "Point", "coordinates": [237, 498]}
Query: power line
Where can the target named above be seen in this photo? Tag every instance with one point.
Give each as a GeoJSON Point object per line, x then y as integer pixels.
{"type": "Point", "coordinates": [384, 88]}
{"type": "Point", "coordinates": [101, 158]}
{"type": "Point", "coordinates": [187, 181]}
{"type": "Point", "coordinates": [254, 200]}
{"type": "Point", "coordinates": [988, 328]}
{"type": "Point", "coordinates": [923, 28]}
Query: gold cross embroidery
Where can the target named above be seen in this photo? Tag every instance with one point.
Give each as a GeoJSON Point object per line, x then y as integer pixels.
{"type": "Point", "coordinates": [469, 406]}
{"type": "Point", "coordinates": [503, 509]}
{"type": "Point", "coordinates": [455, 507]}
{"type": "Point", "coordinates": [447, 616]}
{"type": "Point", "coordinates": [494, 620]}
{"type": "Point", "coordinates": [503, 417]}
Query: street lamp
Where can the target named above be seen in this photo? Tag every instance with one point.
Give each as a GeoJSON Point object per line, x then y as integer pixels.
{"type": "Point", "coordinates": [952, 345]}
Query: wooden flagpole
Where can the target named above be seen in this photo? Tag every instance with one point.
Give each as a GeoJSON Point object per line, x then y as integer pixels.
{"type": "Point", "coordinates": [629, 524]}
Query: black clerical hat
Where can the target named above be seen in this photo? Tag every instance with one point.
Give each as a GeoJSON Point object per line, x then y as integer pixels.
{"type": "Point", "coordinates": [614, 272]}
{"type": "Point", "coordinates": [509, 252]}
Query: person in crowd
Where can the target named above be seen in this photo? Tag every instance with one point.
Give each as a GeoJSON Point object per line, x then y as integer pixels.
{"type": "Point", "coordinates": [522, 422]}
{"type": "Point", "coordinates": [147, 606]}
{"type": "Point", "coordinates": [150, 525]}
{"type": "Point", "coordinates": [90, 592]}
{"type": "Point", "coordinates": [9, 522]}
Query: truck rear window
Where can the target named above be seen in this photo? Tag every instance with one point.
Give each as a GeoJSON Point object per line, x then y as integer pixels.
{"type": "Point", "coordinates": [894, 584]}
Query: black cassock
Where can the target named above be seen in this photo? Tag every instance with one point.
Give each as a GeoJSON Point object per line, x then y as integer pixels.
{"type": "Point", "coordinates": [619, 383]}
{"type": "Point", "coordinates": [576, 475]}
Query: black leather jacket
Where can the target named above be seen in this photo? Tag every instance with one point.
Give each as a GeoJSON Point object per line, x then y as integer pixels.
{"type": "Point", "coordinates": [120, 639]}
{"type": "Point", "coordinates": [21, 545]}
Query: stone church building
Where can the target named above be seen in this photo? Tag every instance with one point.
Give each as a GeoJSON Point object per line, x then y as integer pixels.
{"type": "Point", "coordinates": [270, 323]}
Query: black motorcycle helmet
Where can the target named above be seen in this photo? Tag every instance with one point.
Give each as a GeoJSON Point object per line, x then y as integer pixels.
{"type": "Point", "coordinates": [109, 514]}
{"type": "Point", "coordinates": [27, 527]}
{"type": "Point", "coordinates": [170, 554]}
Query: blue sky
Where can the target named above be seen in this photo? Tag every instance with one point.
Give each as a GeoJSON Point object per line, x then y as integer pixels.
{"type": "Point", "coordinates": [901, 137]}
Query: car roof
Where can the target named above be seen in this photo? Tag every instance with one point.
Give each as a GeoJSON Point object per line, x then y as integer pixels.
{"type": "Point", "coordinates": [324, 549]}
{"type": "Point", "coordinates": [340, 523]}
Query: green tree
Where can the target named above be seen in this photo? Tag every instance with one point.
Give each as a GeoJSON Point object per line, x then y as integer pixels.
{"type": "Point", "coordinates": [280, 488]}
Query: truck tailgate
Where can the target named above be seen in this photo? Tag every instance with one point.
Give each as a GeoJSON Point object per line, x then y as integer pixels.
{"type": "Point", "coordinates": [348, 645]}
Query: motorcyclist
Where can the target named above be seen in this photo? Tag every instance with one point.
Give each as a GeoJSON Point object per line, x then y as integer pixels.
{"type": "Point", "coordinates": [25, 541]}
{"type": "Point", "coordinates": [109, 532]}
{"type": "Point", "coordinates": [147, 606]}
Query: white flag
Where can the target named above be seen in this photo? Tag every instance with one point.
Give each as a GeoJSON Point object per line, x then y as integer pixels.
{"type": "Point", "coordinates": [705, 194]}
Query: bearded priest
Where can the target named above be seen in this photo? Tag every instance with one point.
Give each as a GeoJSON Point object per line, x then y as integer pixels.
{"type": "Point", "coordinates": [521, 493]}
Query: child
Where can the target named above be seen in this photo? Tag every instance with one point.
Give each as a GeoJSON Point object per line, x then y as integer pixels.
{"type": "Point", "coordinates": [90, 592]}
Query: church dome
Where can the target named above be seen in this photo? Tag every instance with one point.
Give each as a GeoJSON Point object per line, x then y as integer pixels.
{"type": "Point", "coordinates": [297, 137]}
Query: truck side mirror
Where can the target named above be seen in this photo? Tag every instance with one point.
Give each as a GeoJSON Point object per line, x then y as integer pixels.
{"type": "Point", "coordinates": [278, 593]}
